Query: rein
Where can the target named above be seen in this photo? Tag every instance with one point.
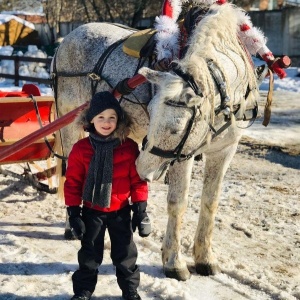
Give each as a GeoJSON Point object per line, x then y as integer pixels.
{"type": "Point", "coordinates": [95, 75]}
{"type": "Point", "coordinates": [37, 112]}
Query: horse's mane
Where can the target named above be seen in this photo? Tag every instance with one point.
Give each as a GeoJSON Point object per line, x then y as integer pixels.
{"type": "Point", "coordinates": [215, 34]}
{"type": "Point", "coordinates": [215, 38]}
{"type": "Point", "coordinates": [217, 29]}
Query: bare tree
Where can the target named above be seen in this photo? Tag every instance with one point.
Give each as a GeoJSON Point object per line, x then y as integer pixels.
{"type": "Point", "coordinates": [128, 12]}
{"type": "Point", "coordinates": [53, 11]}
{"type": "Point", "coordinates": [139, 8]}
{"type": "Point", "coordinates": [245, 4]}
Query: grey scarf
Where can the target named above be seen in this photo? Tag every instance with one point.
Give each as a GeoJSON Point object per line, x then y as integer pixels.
{"type": "Point", "coordinates": [98, 183]}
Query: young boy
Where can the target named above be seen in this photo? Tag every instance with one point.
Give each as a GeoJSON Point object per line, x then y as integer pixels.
{"type": "Point", "coordinates": [101, 175]}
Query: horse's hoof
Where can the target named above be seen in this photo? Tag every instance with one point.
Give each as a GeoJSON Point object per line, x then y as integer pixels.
{"type": "Point", "coordinates": [69, 235]}
{"type": "Point", "coordinates": [207, 270]}
{"type": "Point", "coordinates": [179, 274]}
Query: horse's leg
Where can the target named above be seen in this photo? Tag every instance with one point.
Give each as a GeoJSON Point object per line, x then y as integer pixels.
{"type": "Point", "coordinates": [179, 182]}
{"type": "Point", "coordinates": [216, 166]}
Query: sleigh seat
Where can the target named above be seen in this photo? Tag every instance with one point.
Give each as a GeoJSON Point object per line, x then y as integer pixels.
{"type": "Point", "coordinates": [21, 115]}
{"type": "Point", "coordinates": [140, 44]}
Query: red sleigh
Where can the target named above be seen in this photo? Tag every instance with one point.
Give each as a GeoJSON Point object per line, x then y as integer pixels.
{"type": "Point", "coordinates": [22, 113]}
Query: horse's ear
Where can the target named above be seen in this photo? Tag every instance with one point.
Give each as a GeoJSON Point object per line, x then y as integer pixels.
{"type": "Point", "coordinates": [154, 76]}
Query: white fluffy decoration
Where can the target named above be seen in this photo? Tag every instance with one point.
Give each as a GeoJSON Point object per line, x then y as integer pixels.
{"type": "Point", "coordinates": [176, 7]}
{"type": "Point", "coordinates": [206, 2]}
{"type": "Point", "coordinates": [167, 37]}
{"type": "Point", "coordinates": [254, 40]}
{"type": "Point", "coordinates": [264, 50]}
{"type": "Point", "coordinates": [243, 18]}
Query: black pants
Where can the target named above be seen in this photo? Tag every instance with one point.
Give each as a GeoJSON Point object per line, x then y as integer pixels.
{"type": "Point", "coordinates": [123, 250]}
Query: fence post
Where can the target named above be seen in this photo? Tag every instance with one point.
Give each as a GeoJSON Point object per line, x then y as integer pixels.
{"type": "Point", "coordinates": [16, 75]}
{"type": "Point", "coordinates": [16, 60]}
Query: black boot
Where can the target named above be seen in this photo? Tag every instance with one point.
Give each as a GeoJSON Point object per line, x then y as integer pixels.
{"type": "Point", "coordinates": [131, 295]}
{"type": "Point", "coordinates": [84, 295]}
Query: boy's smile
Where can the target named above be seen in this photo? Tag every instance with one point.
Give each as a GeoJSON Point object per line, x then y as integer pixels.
{"type": "Point", "coordinates": [106, 122]}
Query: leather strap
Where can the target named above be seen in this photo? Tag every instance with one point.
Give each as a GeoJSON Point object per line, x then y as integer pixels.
{"type": "Point", "coordinates": [267, 111]}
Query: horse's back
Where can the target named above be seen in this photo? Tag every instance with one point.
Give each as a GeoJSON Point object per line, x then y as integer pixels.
{"type": "Point", "coordinates": [86, 43]}
{"type": "Point", "coordinates": [91, 48]}
{"type": "Point", "coordinates": [96, 48]}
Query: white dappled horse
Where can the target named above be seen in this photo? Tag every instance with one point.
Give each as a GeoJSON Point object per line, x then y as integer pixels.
{"type": "Point", "coordinates": [199, 108]}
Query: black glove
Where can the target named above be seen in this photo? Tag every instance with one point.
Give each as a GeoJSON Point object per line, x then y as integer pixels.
{"type": "Point", "coordinates": [140, 219]}
{"type": "Point", "coordinates": [76, 223]}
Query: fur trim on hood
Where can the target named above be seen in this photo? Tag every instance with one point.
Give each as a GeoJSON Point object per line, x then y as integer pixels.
{"type": "Point", "coordinates": [121, 132]}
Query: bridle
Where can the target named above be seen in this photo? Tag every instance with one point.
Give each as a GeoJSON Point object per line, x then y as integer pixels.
{"type": "Point", "coordinates": [176, 154]}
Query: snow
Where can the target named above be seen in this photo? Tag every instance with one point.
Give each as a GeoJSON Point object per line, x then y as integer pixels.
{"type": "Point", "coordinates": [4, 18]}
{"type": "Point", "coordinates": [256, 236]}
{"type": "Point", "coordinates": [30, 12]}
{"type": "Point", "coordinates": [31, 69]}
{"type": "Point", "coordinates": [25, 7]}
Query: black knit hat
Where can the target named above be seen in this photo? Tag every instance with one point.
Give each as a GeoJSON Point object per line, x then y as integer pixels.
{"type": "Point", "coordinates": [102, 101]}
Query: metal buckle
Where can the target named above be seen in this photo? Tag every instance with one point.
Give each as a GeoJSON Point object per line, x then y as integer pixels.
{"type": "Point", "coordinates": [94, 76]}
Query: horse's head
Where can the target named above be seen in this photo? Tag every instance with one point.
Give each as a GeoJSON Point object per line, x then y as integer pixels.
{"type": "Point", "coordinates": [178, 124]}
{"type": "Point", "coordinates": [214, 77]}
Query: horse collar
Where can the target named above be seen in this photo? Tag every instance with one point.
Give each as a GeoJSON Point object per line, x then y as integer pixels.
{"type": "Point", "coordinates": [218, 77]}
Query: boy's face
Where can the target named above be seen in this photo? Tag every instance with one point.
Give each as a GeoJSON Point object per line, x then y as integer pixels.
{"type": "Point", "coordinates": [106, 122]}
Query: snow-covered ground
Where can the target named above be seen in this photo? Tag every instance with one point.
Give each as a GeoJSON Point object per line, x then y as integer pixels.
{"type": "Point", "coordinates": [256, 237]}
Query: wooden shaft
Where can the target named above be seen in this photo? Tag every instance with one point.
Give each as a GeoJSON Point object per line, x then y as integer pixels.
{"type": "Point", "coordinates": [48, 129]}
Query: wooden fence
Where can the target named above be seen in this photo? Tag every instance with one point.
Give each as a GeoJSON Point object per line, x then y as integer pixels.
{"type": "Point", "coordinates": [17, 77]}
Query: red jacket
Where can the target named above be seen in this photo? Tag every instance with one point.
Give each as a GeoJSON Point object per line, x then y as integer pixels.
{"type": "Point", "coordinates": [125, 182]}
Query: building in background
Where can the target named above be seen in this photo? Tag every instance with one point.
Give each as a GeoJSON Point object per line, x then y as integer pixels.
{"type": "Point", "coordinates": [272, 4]}
{"type": "Point", "coordinates": [17, 31]}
